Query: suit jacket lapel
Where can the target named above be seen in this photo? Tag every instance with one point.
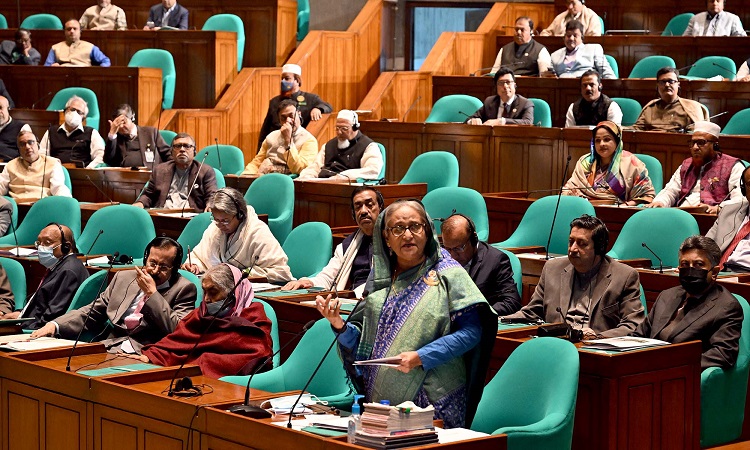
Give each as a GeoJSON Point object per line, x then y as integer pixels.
{"type": "Point", "coordinates": [603, 278]}
{"type": "Point", "coordinates": [566, 283]}
{"type": "Point", "coordinates": [667, 310]}
{"type": "Point", "coordinates": [696, 313]}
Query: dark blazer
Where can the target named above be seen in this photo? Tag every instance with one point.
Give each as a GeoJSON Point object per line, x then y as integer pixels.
{"type": "Point", "coordinates": [204, 187]}
{"type": "Point", "coordinates": [616, 307]}
{"type": "Point", "coordinates": [716, 321]}
{"type": "Point", "coordinates": [161, 312]}
{"type": "Point", "coordinates": [4, 93]}
{"type": "Point", "coordinates": [146, 136]}
{"type": "Point", "coordinates": [178, 18]}
{"type": "Point", "coordinates": [53, 297]}
{"type": "Point", "coordinates": [490, 269]}
{"type": "Point", "coordinates": [521, 110]}
{"type": "Point", "coordinates": [306, 101]}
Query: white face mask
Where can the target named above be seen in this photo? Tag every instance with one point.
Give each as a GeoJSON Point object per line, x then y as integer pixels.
{"type": "Point", "coordinates": [73, 119]}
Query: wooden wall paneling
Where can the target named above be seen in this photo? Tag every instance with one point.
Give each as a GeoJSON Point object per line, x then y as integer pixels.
{"type": "Point", "coordinates": [324, 129]}
{"type": "Point", "coordinates": [115, 429]}
{"type": "Point", "coordinates": [150, 95]}
{"type": "Point", "coordinates": [524, 161]}
{"type": "Point", "coordinates": [468, 143]}
{"type": "Point", "coordinates": [469, 52]}
{"type": "Point", "coordinates": [286, 30]}
{"type": "Point", "coordinates": [402, 144]}
{"type": "Point", "coordinates": [205, 126]}
{"type": "Point", "coordinates": [441, 58]}
{"type": "Point", "coordinates": [368, 30]}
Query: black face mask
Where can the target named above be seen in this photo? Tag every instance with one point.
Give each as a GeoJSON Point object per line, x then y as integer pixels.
{"type": "Point", "coordinates": [694, 280]}
{"type": "Point", "coordinates": [214, 308]}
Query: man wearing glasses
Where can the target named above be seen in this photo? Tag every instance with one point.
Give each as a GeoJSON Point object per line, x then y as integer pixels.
{"type": "Point", "coordinates": [348, 156]}
{"type": "Point", "coordinates": [138, 307]}
{"type": "Point", "coordinates": [506, 107]}
{"type": "Point", "coordinates": [708, 178]}
{"type": "Point", "coordinates": [669, 112]}
{"type": "Point", "coordinates": [131, 145]}
{"type": "Point", "coordinates": [180, 183]}
{"type": "Point", "coordinates": [32, 176]}
{"type": "Point", "coordinates": [74, 142]}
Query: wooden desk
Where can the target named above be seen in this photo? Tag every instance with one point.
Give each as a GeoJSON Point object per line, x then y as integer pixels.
{"type": "Point", "coordinates": [139, 87]}
{"type": "Point", "coordinates": [632, 400]}
{"type": "Point", "coordinates": [205, 61]}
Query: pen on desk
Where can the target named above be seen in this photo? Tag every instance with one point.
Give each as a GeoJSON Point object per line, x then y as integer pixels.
{"type": "Point", "coordinates": [190, 260]}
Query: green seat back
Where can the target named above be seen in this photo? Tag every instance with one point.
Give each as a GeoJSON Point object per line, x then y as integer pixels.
{"type": "Point", "coordinates": [739, 123]}
{"type": "Point", "coordinates": [66, 174]}
{"type": "Point", "coordinates": [193, 232]}
{"type": "Point", "coordinates": [168, 136]}
{"type": "Point", "coordinates": [273, 194]}
{"type": "Point", "coordinates": [631, 109]}
{"type": "Point", "coordinates": [515, 265]}
{"type": "Point", "coordinates": [450, 107]}
{"type": "Point", "coordinates": [158, 59]}
{"type": "Point", "coordinates": [381, 175]}
{"type": "Point", "coordinates": [436, 168]}
{"type": "Point", "coordinates": [542, 113]}
{"type": "Point", "coordinates": [532, 398]}
{"type": "Point", "coordinates": [723, 392]}
{"type": "Point", "coordinates": [537, 221]}
{"type": "Point", "coordinates": [42, 22]}
{"type": "Point", "coordinates": [127, 229]}
{"type": "Point", "coordinates": [648, 66]}
{"type": "Point", "coordinates": [612, 62]}
{"type": "Point", "coordinates": [330, 383]}
{"type": "Point", "coordinates": [227, 158]}
{"type": "Point", "coordinates": [17, 279]}
{"type": "Point", "coordinates": [710, 66]}
{"type": "Point", "coordinates": [662, 229]}
{"type": "Point", "coordinates": [14, 214]}
{"type": "Point", "coordinates": [193, 278]}
{"type": "Point", "coordinates": [220, 181]}
{"type": "Point", "coordinates": [87, 292]}
{"type": "Point", "coordinates": [441, 202]}
{"type": "Point", "coordinates": [63, 95]}
{"type": "Point", "coordinates": [271, 314]}
{"type": "Point", "coordinates": [303, 19]}
{"type": "Point", "coordinates": [3, 22]}
{"type": "Point", "coordinates": [229, 22]}
{"type": "Point", "coordinates": [677, 24]}
{"type": "Point", "coordinates": [309, 247]}
{"type": "Point", "coordinates": [63, 210]}
{"type": "Point", "coordinates": [655, 171]}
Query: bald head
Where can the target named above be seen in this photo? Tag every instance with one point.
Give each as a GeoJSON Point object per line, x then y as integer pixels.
{"type": "Point", "coordinates": [4, 113]}
{"type": "Point", "coordinates": [50, 237]}
{"type": "Point", "coordinates": [456, 232]}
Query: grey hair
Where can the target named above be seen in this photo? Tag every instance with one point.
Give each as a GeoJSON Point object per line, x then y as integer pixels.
{"type": "Point", "coordinates": [222, 277]}
{"type": "Point", "coordinates": [227, 200]}
{"type": "Point", "coordinates": [398, 204]}
{"type": "Point", "coordinates": [85, 105]}
{"type": "Point", "coordinates": [703, 244]}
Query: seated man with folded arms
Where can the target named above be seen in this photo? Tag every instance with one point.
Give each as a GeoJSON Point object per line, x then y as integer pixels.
{"type": "Point", "coordinates": [699, 309]}
{"type": "Point", "coordinates": [287, 150]}
{"type": "Point", "coordinates": [579, 12]}
{"type": "Point", "coordinates": [9, 130]}
{"type": "Point", "coordinates": [588, 289]}
{"type": "Point", "coordinates": [131, 145]}
{"type": "Point", "coordinates": [238, 237]}
{"type": "Point", "coordinates": [593, 106]}
{"type": "Point", "coordinates": [525, 56]}
{"type": "Point", "coordinates": [72, 142]}
{"type": "Point", "coordinates": [350, 155]}
{"type": "Point", "coordinates": [139, 306]}
{"type": "Point", "coordinates": [75, 52]}
{"type": "Point", "coordinates": [669, 112]}
{"type": "Point", "coordinates": [732, 230]}
{"type": "Point", "coordinates": [505, 108]}
{"type": "Point", "coordinates": [576, 57]}
{"type": "Point", "coordinates": [488, 267]}
{"type": "Point", "coordinates": [352, 259]}
{"type": "Point", "coordinates": [32, 176]}
{"type": "Point", "coordinates": [65, 273]}
{"type": "Point", "coordinates": [707, 178]}
{"type": "Point", "coordinates": [172, 181]}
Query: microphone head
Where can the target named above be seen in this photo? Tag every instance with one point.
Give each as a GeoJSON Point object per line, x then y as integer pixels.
{"type": "Point", "coordinates": [308, 325]}
{"type": "Point", "coordinates": [115, 254]}
{"type": "Point", "coordinates": [643, 244]}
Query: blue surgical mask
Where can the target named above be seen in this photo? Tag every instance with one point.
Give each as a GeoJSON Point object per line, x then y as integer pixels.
{"type": "Point", "coordinates": [214, 308]}
{"type": "Point", "coordinates": [286, 86]}
{"type": "Point", "coordinates": [46, 256]}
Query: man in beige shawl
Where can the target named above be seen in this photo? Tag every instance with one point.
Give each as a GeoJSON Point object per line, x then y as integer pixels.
{"type": "Point", "coordinates": [669, 112]}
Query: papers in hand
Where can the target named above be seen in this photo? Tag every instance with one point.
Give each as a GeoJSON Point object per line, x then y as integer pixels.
{"type": "Point", "coordinates": [391, 361]}
{"type": "Point", "coordinates": [622, 343]}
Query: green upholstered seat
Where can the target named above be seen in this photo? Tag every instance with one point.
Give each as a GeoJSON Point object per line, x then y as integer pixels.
{"type": "Point", "coordinates": [63, 210]}
{"type": "Point", "coordinates": [309, 247]}
{"type": "Point", "coordinates": [273, 194]}
{"type": "Point", "coordinates": [229, 22]}
{"type": "Point", "coordinates": [648, 66]}
{"type": "Point", "coordinates": [158, 59]}
{"type": "Point", "coordinates": [127, 229]}
{"type": "Point", "coordinates": [227, 158]}
{"type": "Point", "coordinates": [441, 202]}
{"type": "Point", "coordinates": [17, 279]}
{"type": "Point", "coordinates": [451, 107]}
{"type": "Point", "coordinates": [63, 95]}
{"type": "Point", "coordinates": [437, 169]}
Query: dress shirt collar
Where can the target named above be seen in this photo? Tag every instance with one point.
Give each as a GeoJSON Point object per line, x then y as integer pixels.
{"type": "Point", "coordinates": [2, 127]}
{"type": "Point", "coordinates": [68, 133]}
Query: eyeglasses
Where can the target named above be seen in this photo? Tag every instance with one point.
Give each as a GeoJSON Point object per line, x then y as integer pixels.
{"type": "Point", "coordinates": [222, 221]}
{"type": "Point", "coordinates": [344, 129]}
{"type": "Point", "coordinates": [505, 82]}
{"type": "Point", "coordinates": [30, 142]}
{"type": "Point", "coordinates": [667, 82]}
{"type": "Point", "coordinates": [698, 142]}
{"type": "Point", "coordinates": [181, 146]}
{"type": "Point", "coordinates": [458, 249]}
{"type": "Point", "coordinates": [70, 108]}
{"type": "Point", "coordinates": [398, 230]}
{"type": "Point", "coordinates": [38, 244]}
{"type": "Point", "coordinates": [151, 264]}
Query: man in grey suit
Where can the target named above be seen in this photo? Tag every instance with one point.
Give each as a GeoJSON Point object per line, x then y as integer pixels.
{"type": "Point", "coordinates": [731, 231]}
{"type": "Point", "coordinates": [576, 57]}
{"type": "Point", "coordinates": [139, 306]}
{"type": "Point", "coordinates": [698, 309]}
{"type": "Point", "coordinates": [506, 107]}
{"type": "Point", "coordinates": [590, 290]}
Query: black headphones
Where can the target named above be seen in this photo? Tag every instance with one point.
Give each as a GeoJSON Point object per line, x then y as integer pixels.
{"type": "Point", "coordinates": [473, 237]}
{"type": "Point", "coordinates": [158, 242]}
{"type": "Point", "coordinates": [64, 244]}
{"type": "Point", "coordinates": [240, 213]}
{"type": "Point", "coordinates": [743, 188]}
{"type": "Point", "coordinates": [378, 197]}
{"type": "Point", "coordinates": [355, 121]}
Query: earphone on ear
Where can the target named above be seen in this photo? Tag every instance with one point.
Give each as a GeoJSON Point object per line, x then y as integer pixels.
{"type": "Point", "coordinates": [355, 121]}
{"type": "Point", "coordinates": [240, 213]}
{"type": "Point", "coordinates": [64, 244]}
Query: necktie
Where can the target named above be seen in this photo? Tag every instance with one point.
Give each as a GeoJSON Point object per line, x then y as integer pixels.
{"type": "Point", "coordinates": [710, 29]}
{"type": "Point", "coordinates": [506, 110]}
{"type": "Point", "coordinates": [134, 319]}
{"type": "Point", "coordinates": [165, 17]}
{"type": "Point", "coordinates": [741, 234]}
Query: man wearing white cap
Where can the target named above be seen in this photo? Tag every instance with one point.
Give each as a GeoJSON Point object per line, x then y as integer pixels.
{"type": "Point", "coordinates": [310, 106]}
{"type": "Point", "coordinates": [707, 178]}
{"type": "Point", "coordinates": [350, 155]}
{"type": "Point", "coordinates": [669, 112]}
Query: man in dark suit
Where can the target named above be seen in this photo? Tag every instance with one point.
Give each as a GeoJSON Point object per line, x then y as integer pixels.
{"type": "Point", "coordinates": [172, 181]}
{"type": "Point", "coordinates": [698, 309]}
{"type": "Point", "coordinates": [506, 107]}
{"type": "Point", "coordinates": [139, 306]}
{"type": "Point", "coordinates": [588, 289]}
{"type": "Point", "coordinates": [56, 249]}
{"type": "Point", "coordinates": [488, 267]}
{"type": "Point", "coordinates": [130, 145]}
{"type": "Point", "coordinates": [167, 14]}
{"type": "Point", "coordinates": [4, 92]}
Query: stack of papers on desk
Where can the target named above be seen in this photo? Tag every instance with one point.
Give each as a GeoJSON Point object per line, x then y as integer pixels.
{"type": "Point", "coordinates": [622, 343]}
{"type": "Point", "coordinates": [20, 251]}
{"type": "Point", "coordinates": [26, 343]}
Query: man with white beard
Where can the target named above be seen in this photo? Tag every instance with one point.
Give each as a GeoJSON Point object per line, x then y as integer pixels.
{"type": "Point", "coordinates": [350, 155]}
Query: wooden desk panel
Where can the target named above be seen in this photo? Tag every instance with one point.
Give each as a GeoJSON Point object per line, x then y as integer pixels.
{"type": "Point", "coordinates": [140, 87]}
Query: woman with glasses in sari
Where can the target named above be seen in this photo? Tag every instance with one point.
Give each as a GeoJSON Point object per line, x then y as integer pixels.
{"type": "Point", "coordinates": [238, 237]}
{"type": "Point", "coordinates": [422, 309]}
{"type": "Point", "coordinates": [609, 172]}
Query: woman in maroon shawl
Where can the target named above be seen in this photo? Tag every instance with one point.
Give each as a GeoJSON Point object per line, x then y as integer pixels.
{"type": "Point", "coordinates": [238, 340]}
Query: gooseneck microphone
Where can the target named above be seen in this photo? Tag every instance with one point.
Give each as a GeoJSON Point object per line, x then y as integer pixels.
{"type": "Point", "coordinates": [686, 67]}
{"type": "Point", "coordinates": [557, 206]}
{"type": "Point", "coordinates": [86, 255]}
{"type": "Point", "coordinates": [218, 154]}
{"type": "Point", "coordinates": [101, 191]}
{"type": "Point", "coordinates": [413, 104]}
{"type": "Point", "coordinates": [254, 411]}
{"type": "Point", "coordinates": [88, 315]}
{"type": "Point", "coordinates": [727, 69]}
{"type": "Point", "coordinates": [192, 186]}
{"type": "Point", "coordinates": [15, 238]}
{"type": "Point", "coordinates": [661, 264]}
{"type": "Point", "coordinates": [33, 105]}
